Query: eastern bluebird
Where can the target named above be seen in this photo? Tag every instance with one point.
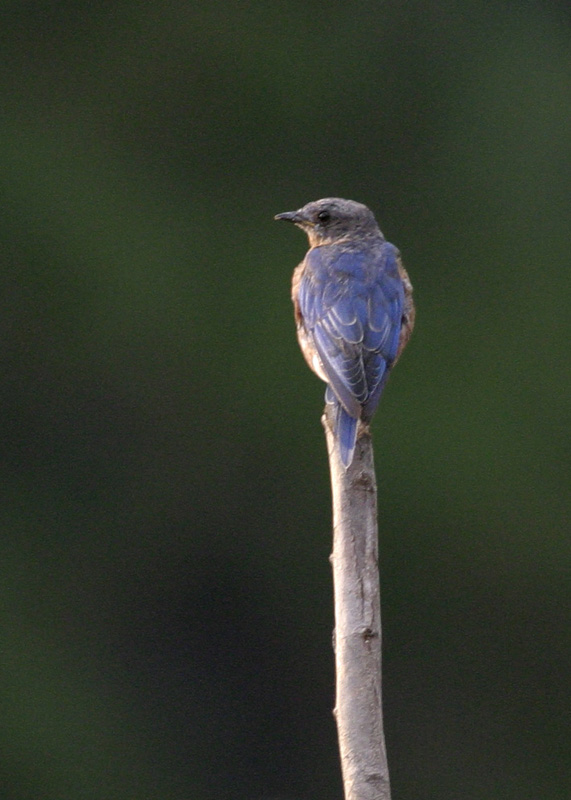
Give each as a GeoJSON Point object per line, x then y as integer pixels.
{"type": "Point", "coordinates": [353, 309]}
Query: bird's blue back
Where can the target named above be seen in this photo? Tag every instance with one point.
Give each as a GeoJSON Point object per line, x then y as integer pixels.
{"type": "Point", "coordinates": [351, 302]}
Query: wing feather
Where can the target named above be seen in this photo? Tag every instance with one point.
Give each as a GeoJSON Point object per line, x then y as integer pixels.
{"type": "Point", "coordinates": [351, 304]}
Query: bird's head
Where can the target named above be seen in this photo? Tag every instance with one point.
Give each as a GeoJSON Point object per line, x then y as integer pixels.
{"type": "Point", "coordinates": [332, 220]}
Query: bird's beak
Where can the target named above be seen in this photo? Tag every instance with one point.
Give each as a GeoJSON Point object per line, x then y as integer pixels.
{"type": "Point", "coordinates": [297, 217]}
{"type": "Point", "coordinates": [290, 216]}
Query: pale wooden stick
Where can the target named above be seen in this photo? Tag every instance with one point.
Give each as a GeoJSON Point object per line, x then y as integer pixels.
{"type": "Point", "coordinates": [358, 704]}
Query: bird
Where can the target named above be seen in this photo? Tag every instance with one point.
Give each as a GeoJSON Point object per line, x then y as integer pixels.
{"type": "Point", "coordinates": [353, 310]}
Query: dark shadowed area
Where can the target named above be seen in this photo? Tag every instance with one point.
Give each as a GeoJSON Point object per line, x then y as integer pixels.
{"type": "Point", "coordinates": [164, 577]}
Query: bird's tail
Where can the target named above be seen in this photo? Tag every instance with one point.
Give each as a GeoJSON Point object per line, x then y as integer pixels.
{"type": "Point", "coordinates": [345, 428]}
{"type": "Point", "coordinates": [346, 432]}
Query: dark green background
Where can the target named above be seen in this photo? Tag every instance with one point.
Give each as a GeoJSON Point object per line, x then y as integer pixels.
{"type": "Point", "coordinates": [164, 583]}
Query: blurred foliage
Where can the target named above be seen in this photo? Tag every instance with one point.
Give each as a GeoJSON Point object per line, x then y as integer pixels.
{"type": "Point", "coordinates": [166, 522]}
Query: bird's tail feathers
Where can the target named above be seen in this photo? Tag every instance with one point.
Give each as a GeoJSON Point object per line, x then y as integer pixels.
{"type": "Point", "coordinates": [345, 428]}
{"type": "Point", "coordinates": [346, 433]}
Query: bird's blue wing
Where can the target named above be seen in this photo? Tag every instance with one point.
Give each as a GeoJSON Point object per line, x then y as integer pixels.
{"type": "Point", "coordinates": [351, 305]}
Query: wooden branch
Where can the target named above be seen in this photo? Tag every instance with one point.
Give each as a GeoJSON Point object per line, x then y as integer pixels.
{"type": "Point", "coordinates": [358, 704]}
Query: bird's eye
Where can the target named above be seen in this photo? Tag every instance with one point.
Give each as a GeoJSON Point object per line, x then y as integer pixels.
{"type": "Point", "coordinates": [324, 216]}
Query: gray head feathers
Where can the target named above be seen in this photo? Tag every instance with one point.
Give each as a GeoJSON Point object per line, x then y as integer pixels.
{"type": "Point", "coordinates": [333, 219]}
